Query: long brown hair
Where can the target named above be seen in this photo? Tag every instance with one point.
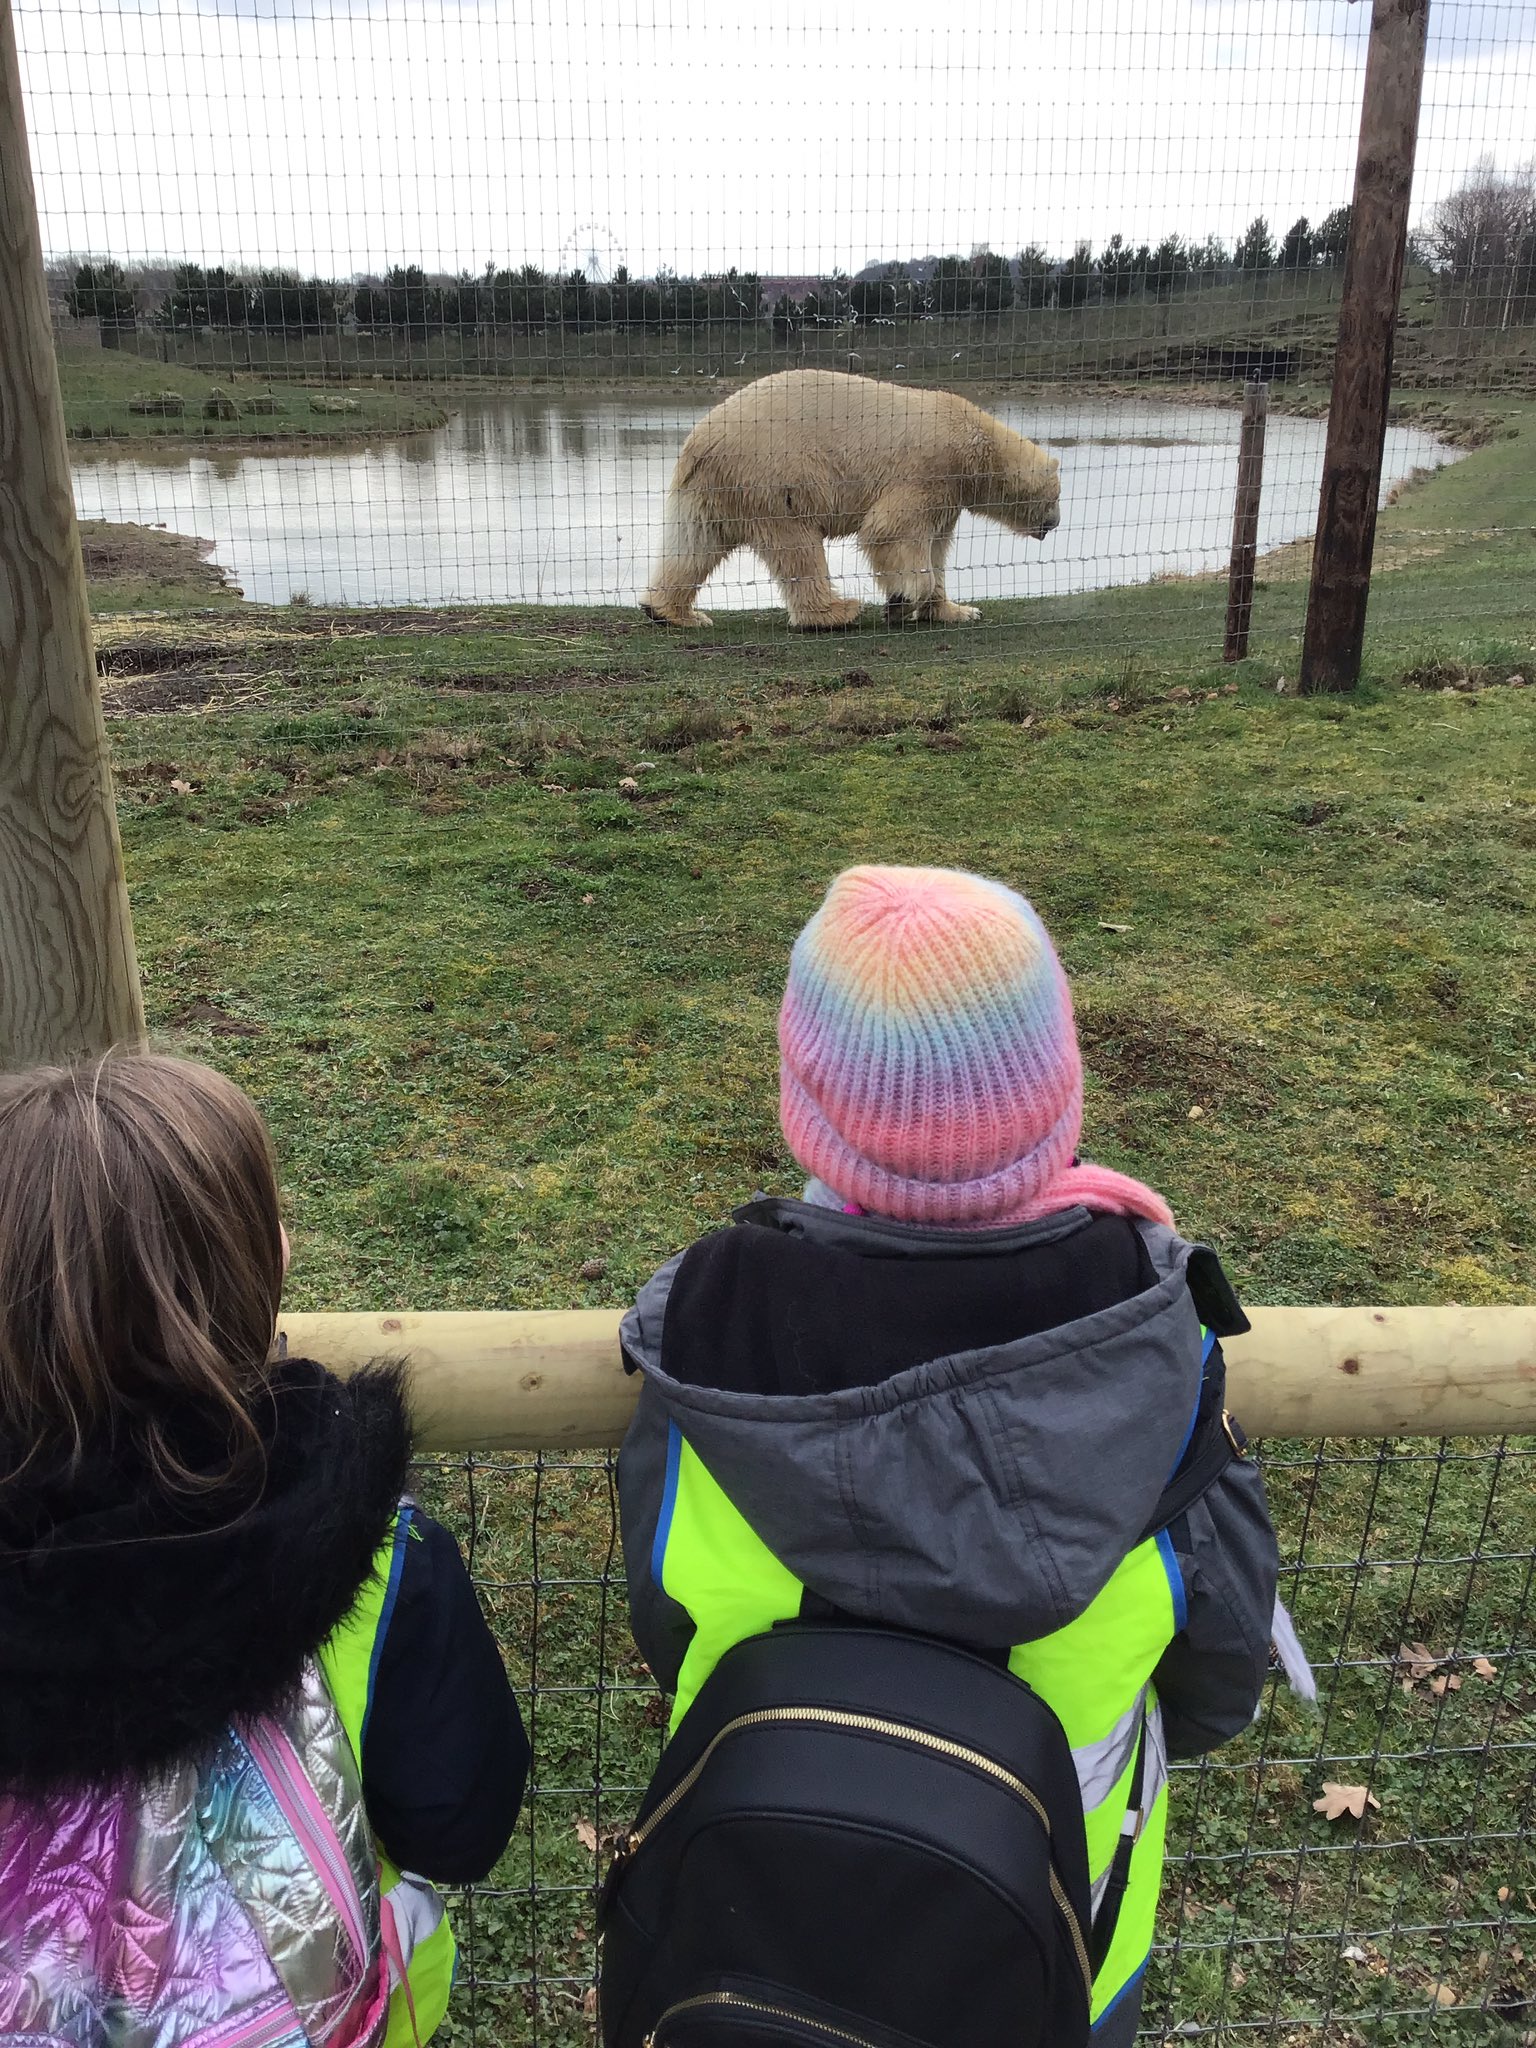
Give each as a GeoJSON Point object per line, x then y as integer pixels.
{"type": "Point", "coordinates": [141, 1262]}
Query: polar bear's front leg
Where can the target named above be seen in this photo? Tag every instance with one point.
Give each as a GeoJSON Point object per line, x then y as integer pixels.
{"type": "Point", "coordinates": [942, 608]}
{"type": "Point", "coordinates": [907, 556]}
{"type": "Point", "coordinates": [797, 559]}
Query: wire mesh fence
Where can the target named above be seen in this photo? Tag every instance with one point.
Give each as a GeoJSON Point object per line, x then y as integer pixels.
{"type": "Point", "coordinates": [416, 303]}
{"type": "Point", "coordinates": [413, 303]}
{"type": "Point", "coordinates": [1355, 1875]}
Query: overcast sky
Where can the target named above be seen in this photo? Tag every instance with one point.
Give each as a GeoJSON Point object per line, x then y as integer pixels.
{"type": "Point", "coordinates": [780, 135]}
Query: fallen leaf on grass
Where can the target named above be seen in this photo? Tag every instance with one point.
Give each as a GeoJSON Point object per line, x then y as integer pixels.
{"type": "Point", "coordinates": [1353, 1954]}
{"type": "Point", "coordinates": [1503, 1894]}
{"type": "Point", "coordinates": [181, 788]}
{"type": "Point", "coordinates": [1483, 1668]}
{"type": "Point", "coordinates": [1445, 1995]}
{"type": "Point", "coordinates": [1446, 1682]}
{"type": "Point", "coordinates": [589, 2002]}
{"type": "Point", "coordinates": [1106, 926]}
{"type": "Point", "coordinates": [1417, 1660]}
{"type": "Point", "coordinates": [592, 1841]}
{"type": "Point", "coordinates": [1337, 1800]}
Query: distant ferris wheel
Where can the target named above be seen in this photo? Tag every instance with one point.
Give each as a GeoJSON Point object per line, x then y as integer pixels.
{"type": "Point", "coordinates": [594, 250]}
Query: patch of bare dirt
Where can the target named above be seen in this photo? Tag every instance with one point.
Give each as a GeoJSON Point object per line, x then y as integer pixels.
{"type": "Point", "coordinates": [1130, 1051]}
{"type": "Point", "coordinates": [154, 657]}
{"type": "Point", "coordinates": [473, 682]}
{"type": "Point", "coordinates": [1466, 677]}
{"type": "Point", "coordinates": [124, 551]}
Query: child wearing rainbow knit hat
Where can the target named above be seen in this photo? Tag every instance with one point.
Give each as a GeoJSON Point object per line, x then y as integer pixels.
{"type": "Point", "coordinates": [971, 1385]}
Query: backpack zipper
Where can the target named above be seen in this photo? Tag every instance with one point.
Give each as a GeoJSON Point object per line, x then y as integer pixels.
{"type": "Point", "coordinates": [753, 2005]}
{"type": "Point", "coordinates": [868, 1724]}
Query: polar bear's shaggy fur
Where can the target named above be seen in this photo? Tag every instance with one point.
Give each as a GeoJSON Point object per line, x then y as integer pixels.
{"type": "Point", "coordinates": [797, 459]}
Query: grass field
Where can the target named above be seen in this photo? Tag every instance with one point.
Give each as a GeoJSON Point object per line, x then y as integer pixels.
{"type": "Point", "coordinates": [98, 384]}
{"type": "Point", "coordinates": [508, 1018]}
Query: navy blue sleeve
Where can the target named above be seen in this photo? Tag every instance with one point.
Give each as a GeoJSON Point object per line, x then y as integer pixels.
{"type": "Point", "coordinates": [445, 1757]}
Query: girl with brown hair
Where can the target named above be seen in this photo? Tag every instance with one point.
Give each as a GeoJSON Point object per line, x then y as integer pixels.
{"type": "Point", "coordinates": [250, 1713]}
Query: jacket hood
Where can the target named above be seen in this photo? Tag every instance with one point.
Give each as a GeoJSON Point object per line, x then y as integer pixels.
{"type": "Point", "coordinates": [133, 1629]}
{"type": "Point", "coordinates": [988, 1493]}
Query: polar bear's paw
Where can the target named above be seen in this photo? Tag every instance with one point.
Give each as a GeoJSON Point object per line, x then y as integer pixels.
{"type": "Point", "coordinates": [833, 617]}
{"type": "Point", "coordinates": [659, 617]}
{"type": "Point", "coordinates": [948, 614]}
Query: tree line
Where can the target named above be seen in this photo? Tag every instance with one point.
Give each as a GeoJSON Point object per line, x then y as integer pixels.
{"type": "Point", "coordinates": [1481, 241]}
{"type": "Point", "coordinates": [409, 302]}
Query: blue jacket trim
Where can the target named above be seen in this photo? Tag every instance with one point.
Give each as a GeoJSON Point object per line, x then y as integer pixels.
{"type": "Point", "coordinates": [1175, 1580]}
{"type": "Point", "coordinates": [1121, 1995]}
{"type": "Point", "coordinates": [1207, 1347]}
{"type": "Point", "coordinates": [391, 1594]}
{"type": "Point", "coordinates": [668, 1504]}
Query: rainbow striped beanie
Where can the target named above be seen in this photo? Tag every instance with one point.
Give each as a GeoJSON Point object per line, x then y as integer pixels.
{"type": "Point", "coordinates": [929, 1066]}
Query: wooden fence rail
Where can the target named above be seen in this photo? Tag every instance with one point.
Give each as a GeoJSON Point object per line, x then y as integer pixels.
{"type": "Point", "coordinates": [526, 1380]}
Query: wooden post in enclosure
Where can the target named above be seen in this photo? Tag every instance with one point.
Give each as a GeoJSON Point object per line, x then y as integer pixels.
{"type": "Point", "coordinates": [1362, 369]}
{"type": "Point", "coordinates": [1245, 521]}
{"type": "Point", "coordinates": [543, 1379]}
{"type": "Point", "coordinates": [69, 979]}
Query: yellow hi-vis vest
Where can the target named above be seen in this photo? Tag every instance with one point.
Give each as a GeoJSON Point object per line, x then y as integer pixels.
{"type": "Point", "coordinates": [1095, 1674]}
{"type": "Point", "coordinates": [422, 1939]}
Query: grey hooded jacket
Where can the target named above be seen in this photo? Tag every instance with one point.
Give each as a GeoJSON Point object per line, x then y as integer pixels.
{"type": "Point", "coordinates": [985, 1495]}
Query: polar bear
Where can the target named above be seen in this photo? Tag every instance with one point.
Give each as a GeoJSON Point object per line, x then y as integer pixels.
{"type": "Point", "coordinates": [796, 459]}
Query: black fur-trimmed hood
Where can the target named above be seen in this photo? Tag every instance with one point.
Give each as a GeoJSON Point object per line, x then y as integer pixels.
{"type": "Point", "coordinates": [131, 1630]}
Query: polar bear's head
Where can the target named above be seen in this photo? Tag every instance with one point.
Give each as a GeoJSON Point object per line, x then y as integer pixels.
{"type": "Point", "coordinates": [1021, 488]}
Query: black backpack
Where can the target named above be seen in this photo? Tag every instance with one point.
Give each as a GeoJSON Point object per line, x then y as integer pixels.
{"type": "Point", "coordinates": [857, 1836]}
{"type": "Point", "coordinates": [866, 1838]}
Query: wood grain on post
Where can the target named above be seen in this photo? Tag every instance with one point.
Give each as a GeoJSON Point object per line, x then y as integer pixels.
{"type": "Point", "coordinates": [69, 978]}
{"type": "Point", "coordinates": [1245, 521]}
{"type": "Point", "coordinates": [553, 1380]}
{"type": "Point", "coordinates": [1362, 370]}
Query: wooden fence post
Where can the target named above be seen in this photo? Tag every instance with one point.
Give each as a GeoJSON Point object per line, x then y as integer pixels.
{"type": "Point", "coordinates": [1362, 369]}
{"type": "Point", "coordinates": [69, 978]}
{"type": "Point", "coordinates": [1245, 521]}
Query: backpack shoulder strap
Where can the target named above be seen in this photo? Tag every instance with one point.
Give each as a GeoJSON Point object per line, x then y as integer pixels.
{"type": "Point", "coordinates": [1107, 1916]}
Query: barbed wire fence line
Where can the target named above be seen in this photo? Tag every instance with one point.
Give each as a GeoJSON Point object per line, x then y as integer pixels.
{"type": "Point", "coordinates": [522, 254]}
{"type": "Point", "coordinates": [1361, 1873]}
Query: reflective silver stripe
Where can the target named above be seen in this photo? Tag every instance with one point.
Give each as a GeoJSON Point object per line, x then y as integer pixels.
{"type": "Point", "coordinates": [1154, 1778]}
{"type": "Point", "coordinates": [418, 1912]}
{"type": "Point", "coordinates": [1101, 1765]}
